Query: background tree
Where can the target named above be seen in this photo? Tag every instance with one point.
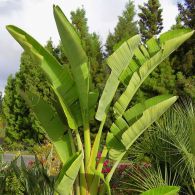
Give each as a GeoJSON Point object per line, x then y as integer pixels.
{"type": "Point", "coordinates": [151, 22]}
{"type": "Point", "coordinates": [125, 28]}
{"type": "Point", "coordinates": [183, 59]}
{"type": "Point", "coordinates": [23, 130]}
{"type": "Point", "coordinates": [187, 13]}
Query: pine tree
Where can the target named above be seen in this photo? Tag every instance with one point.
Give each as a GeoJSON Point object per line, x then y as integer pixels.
{"type": "Point", "coordinates": [151, 22]}
{"type": "Point", "coordinates": [23, 130]}
{"type": "Point", "coordinates": [12, 104]}
{"type": "Point", "coordinates": [187, 13]}
{"type": "Point", "coordinates": [125, 28]}
{"type": "Point", "coordinates": [183, 59]}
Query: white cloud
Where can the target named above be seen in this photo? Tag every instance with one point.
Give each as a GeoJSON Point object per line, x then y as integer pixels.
{"type": "Point", "coordinates": [35, 17]}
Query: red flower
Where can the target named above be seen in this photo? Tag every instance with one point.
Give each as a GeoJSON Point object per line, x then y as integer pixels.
{"type": "Point", "coordinates": [106, 163]}
{"type": "Point", "coordinates": [106, 170]}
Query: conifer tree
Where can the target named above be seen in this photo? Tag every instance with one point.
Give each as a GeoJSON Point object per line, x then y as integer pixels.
{"type": "Point", "coordinates": [125, 28]}
{"type": "Point", "coordinates": [16, 114]}
{"type": "Point", "coordinates": [187, 13]}
{"type": "Point", "coordinates": [151, 22]}
{"type": "Point", "coordinates": [23, 130]}
{"type": "Point", "coordinates": [183, 59]}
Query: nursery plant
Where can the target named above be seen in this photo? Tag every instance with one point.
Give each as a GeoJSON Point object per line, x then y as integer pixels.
{"type": "Point", "coordinates": [67, 121]}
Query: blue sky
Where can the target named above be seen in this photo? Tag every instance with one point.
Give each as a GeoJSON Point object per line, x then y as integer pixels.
{"type": "Point", "coordinates": [35, 17]}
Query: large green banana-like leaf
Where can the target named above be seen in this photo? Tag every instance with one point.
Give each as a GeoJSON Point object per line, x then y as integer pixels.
{"type": "Point", "coordinates": [119, 143]}
{"type": "Point", "coordinates": [158, 52]}
{"type": "Point", "coordinates": [52, 124]}
{"type": "Point", "coordinates": [118, 62]}
{"type": "Point", "coordinates": [163, 190]}
{"type": "Point", "coordinates": [68, 174]}
{"type": "Point", "coordinates": [134, 113]}
{"type": "Point", "coordinates": [59, 76]}
{"type": "Point", "coordinates": [77, 58]}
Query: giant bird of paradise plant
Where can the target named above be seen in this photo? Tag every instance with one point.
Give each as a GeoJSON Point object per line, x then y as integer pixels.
{"type": "Point", "coordinates": [76, 101]}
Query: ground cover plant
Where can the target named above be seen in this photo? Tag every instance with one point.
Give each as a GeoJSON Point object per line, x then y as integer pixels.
{"type": "Point", "coordinates": [67, 121]}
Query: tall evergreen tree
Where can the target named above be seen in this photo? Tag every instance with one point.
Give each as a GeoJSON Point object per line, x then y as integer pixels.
{"type": "Point", "coordinates": [23, 130]}
{"type": "Point", "coordinates": [125, 28]}
{"type": "Point", "coordinates": [151, 22]}
{"type": "Point", "coordinates": [15, 115]}
{"type": "Point", "coordinates": [187, 13]}
{"type": "Point", "coordinates": [183, 59]}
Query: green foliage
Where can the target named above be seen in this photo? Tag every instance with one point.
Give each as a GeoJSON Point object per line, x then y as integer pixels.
{"type": "Point", "coordinates": [92, 46]}
{"type": "Point", "coordinates": [168, 190]}
{"type": "Point", "coordinates": [28, 179]}
{"type": "Point", "coordinates": [125, 28]}
{"type": "Point", "coordinates": [183, 60]}
{"type": "Point", "coordinates": [22, 130]}
{"type": "Point", "coordinates": [30, 77]}
{"type": "Point", "coordinates": [144, 176]}
{"type": "Point", "coordinates": [185, 86]}
{"type": "Point", "coordinates": [151, 22]}
{"type": "Point", "coordinates": [171, 142]}
{"type": "Point", "coordinates": [75, 101]}
{"type": "Point", "coordinates": [186, 12]}
{"type": "Point", "coordinates": [161, 81]}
